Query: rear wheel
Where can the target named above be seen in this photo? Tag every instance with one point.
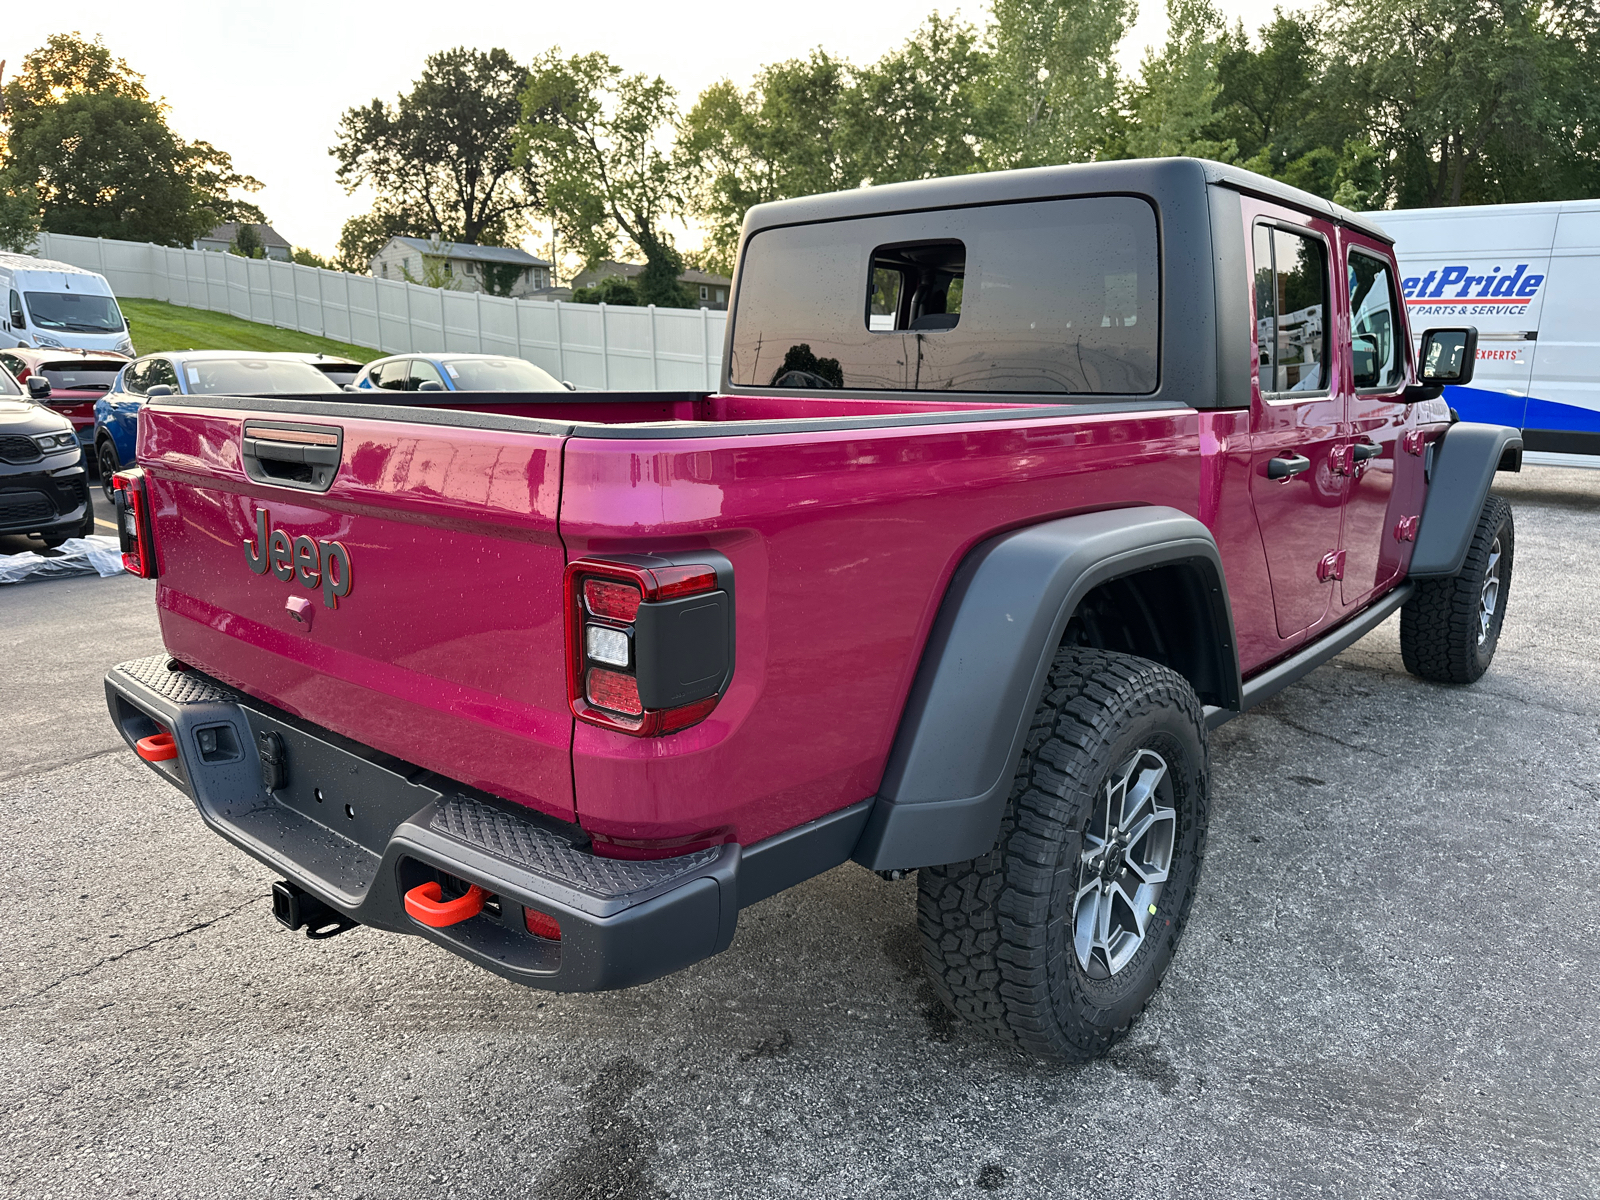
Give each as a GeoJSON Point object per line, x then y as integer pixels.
{"type": "Point", "coordinates": [1450, 628]}
{"type": "Point", "coordinates": [1056, 939]}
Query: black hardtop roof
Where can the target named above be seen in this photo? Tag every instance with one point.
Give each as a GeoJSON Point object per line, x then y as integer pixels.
{"type": "Point", "coordinates": [1137, 175]}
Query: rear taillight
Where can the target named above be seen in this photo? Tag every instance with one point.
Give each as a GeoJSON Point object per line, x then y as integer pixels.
{"type": "Point", "coordinates": [649, 641]}
{"type": "Point", "coordinates": [134, 525]}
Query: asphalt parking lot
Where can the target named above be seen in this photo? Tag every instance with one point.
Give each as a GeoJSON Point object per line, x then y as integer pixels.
{"type": "Point", "coordinates": [1389, 987]}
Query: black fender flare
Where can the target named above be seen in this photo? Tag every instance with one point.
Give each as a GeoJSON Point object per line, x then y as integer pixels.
{"type": "Point", "coordinates": [1464, 463]}
{"type": "Point", "coordinates": [983, 669]}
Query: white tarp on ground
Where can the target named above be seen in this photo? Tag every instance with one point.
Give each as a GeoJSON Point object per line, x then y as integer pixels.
{"type": "Point", "coordinates": [96, 555]}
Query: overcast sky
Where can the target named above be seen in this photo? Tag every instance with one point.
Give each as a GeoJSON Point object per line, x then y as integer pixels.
{"type": "Point", "coordinates": [268, 82]}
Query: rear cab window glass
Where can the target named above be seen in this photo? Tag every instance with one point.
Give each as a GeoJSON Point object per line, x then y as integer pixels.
{"type": "Point", "coordinates": [88, 375]}
{"type": "Point", "coordinates": [1058, 297]}
{"type": "Point", "coordinates": [1291, 286]}
{"type": "Point", "coordinates": [1377, 355]}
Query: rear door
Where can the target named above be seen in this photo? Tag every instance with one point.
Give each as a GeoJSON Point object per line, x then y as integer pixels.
{"type": "Point", "coordinates": [1296, 413]}
{"type": "Point", "coordinates": [1564, 393]}
{"type": "Point", "coordinates": [414, 605]}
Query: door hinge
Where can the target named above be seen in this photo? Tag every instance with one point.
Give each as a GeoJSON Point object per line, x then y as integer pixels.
{"type": "Point", "coordinates": [1342, 459]}
{"type": "Point", "coordinates": [1405, 529]}
{"type": "Point", "coordinates": [1331, 566]}
{"type": "Point", "coordinates": [1415, 442]}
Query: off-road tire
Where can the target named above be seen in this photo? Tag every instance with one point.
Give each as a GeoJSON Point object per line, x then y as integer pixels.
{"type": "Point", "coordinates": [996, 931]}
{"type": "Point", "coordinates": [1440, 624]}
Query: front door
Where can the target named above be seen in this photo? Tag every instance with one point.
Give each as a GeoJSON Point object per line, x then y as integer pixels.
{"type": "Point", "coordinates": [1297, 477]}
{"type": "Point", "coordinates": [1385, 482]}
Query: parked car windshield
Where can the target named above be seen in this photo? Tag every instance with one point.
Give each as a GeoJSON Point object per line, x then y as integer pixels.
{"type": "Point", "coordinates": [81, 375]}
{"type": "Point", "coordinates": [74, 312]}
{"type": "Point", "coordinates": [1055, 297]}
{"type": "Point", "coordinates": [499, 375]}
{"type": "Point", "coordinates": [252, 376]}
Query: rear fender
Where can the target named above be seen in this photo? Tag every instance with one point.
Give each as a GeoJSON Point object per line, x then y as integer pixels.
{"type": "Point", "coordinates": [950, 769]}
{"type": "Point", "coordinates": [1464, 463]}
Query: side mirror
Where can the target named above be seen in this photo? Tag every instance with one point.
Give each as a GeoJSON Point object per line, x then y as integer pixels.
{"type": "Point", "coordinates": [38, 387]}
{"type": "Point", "coordinates": [1449, 356]}
{"type": "Point", "coordinates": [1364, 361]}
{"type": "Point", "coordinates": [569, 385]}
{"type": "Point", "coordinates": [160, 389]}
{"type": "Point", "coordinates": [430, 385]}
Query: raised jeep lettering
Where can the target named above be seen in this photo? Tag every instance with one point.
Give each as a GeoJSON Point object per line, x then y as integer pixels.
{"type": "Point", "coordinates": [316, 564]}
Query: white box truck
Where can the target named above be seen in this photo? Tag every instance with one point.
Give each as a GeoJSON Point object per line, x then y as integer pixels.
{"type": "Point", "coordinates": [1528, 276]}
{"type": "Point", "coordinates": [56, 306]}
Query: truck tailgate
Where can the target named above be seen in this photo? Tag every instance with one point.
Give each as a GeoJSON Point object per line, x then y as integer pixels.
{"type": "Point", "coordinates": [446, 651]}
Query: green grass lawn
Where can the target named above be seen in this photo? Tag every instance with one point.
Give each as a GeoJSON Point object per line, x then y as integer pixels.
{"type": "Point", "coordinates": [159, 326]}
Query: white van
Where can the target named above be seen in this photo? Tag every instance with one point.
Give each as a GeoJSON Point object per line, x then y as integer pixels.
{"type": "Point", "coordinates": [1528, 276]}
{"type": "Point", "coordinates": [55, 306]}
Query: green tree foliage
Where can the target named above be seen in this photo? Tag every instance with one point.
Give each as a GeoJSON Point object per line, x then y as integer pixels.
{"type": "Point", "coordinates": [1056, 92]}
{"type": "Point", "coordinates": [247, 242]}
{"type": "Point", "coordinates": [500, 278]}
{"type": "Point", "coordinates": [920, 111]}
{"type": "Point", "coordinates": [310, 258]}
{"type": "Point", "coordinates": [19, 213]}
{"type": "Point", "coordinates": [594, 135]}
{"type": "Point", "coordinates": [612, 289]}
{"type": "Point", "coordinates": [441, 158]}
{"type": "Point", "coordinates": [777, 139]}
{"type": "Point", "coordinates": [82, 132]}
{"type": "Point", "coordinates": [1172, 107]}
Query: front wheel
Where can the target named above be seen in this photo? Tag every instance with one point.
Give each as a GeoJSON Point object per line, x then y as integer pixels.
{"type": "Point", "coordinates": [1449, 629]}
{"type": "Point", "coordinates": [1056, 939]}
{"type": "Point", "coordinates": [106, 459]}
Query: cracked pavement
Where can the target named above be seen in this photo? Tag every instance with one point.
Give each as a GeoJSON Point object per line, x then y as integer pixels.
{"type": "Point", "coordinates": [1388, 987]}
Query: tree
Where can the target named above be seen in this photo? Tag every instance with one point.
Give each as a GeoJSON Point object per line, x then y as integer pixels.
{"type": "Point", "coordinates": [1172, 105]}
{"type": "Point", "coordinates": [1475, 101]}
{"type": "Point", "coordinates": [19, 213]}
{"type": "Point", "coordinates": [363, 236]}
{"type": "Point", "coordinates": [310, 258]}
{"type": "Point", "coordinates": [1055, 88]}
{"type": "Point", "coordinates": [594, 136]}
{"type": "Point", "coordinates": [84, 135]}
{"type": "Point", "coordinates": [920, 111]}
{"type": "Point", "coordinates": [442, 156]}
{"type": "Point", "coordinates": [777, 139]}
{"type": "Point", "coordinates": [611, 289]}
{"type": "Point", "coordinates": [247, 242]}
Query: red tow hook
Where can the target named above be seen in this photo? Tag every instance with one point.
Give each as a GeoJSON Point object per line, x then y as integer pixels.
{"type": "Point", "coordinates": [158, 747]}
{"type": "Point", "coordinates": [425, 902]}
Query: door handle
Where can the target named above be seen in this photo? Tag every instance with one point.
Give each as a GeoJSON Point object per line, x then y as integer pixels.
{"type": "Point", "coordinates": [1288, 467]}
{"type": "Point", "coordinates": [1366, 450]}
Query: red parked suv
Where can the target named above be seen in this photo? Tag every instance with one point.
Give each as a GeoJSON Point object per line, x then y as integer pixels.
{"type": "Point", "coordinates": [1015, 487]}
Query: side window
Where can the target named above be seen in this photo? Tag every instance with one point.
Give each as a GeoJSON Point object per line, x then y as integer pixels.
{"type": "Point", "coordinates": [422, 371]}
{"type": "Point", "coordinates": [1377, 357]}
{"type": "Point", "coordinates": [11, 363]}
{"type": "Point", "coordinates": [161, 371]}
{"type": "Point", "coordinates": [139, 377]}
{"type": "Point", "coordinates": [1291, 310]}
{"type": "Point", "coordinates": [393, 376]}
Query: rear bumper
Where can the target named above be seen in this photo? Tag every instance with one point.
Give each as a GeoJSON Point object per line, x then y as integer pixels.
{"type": "Point", "coordinates": [357, 829]}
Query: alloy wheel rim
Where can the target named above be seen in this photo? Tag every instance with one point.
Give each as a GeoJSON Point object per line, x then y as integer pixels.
{"type": "Point", "coordinates": [1489, 597]}
{"type": "Point", "coordinates": [1123, 866]}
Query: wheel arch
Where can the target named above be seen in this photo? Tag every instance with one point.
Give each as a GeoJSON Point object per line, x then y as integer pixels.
{"type": "Point", "coordinates": [1463, 467]}
{"type": "Point", "coordinates": [1009, 606]}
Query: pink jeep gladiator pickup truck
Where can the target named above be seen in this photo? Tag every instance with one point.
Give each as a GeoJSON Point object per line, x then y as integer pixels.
{"type": "Point", "coordinates": [1015, 485]}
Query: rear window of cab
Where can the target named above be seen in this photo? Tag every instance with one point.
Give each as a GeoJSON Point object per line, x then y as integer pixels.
{"type": "Point", "coordinates": [1057, 297]}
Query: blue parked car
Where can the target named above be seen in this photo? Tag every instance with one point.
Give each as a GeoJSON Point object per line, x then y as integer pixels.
{"type": "Point", "coordinates": [199, 373]}
{"type": "Point", "coordinates": [457, 373]}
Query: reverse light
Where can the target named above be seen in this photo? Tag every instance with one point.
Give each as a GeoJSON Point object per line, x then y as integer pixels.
{"type": "Point", "coordinates": [134, 525]}
{"type": "Point", "coordinates": [649, 640]}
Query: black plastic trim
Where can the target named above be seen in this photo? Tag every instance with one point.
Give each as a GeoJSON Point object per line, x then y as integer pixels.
{"type": "Point", "coordinates": [981, 674]}
{"type": "Point", "coordinates": [661, 917]}
{"type": "Point", "coordinates": [1465, 461]}
{"type": "Point", "coordinates": [1048, 406]}
{"type": "Point", "coordinates": [1302, 662]}
{"type": "Point", "coordinates": [1560, 441]}
{"type": "Point", "coordinates": [1231, 280]}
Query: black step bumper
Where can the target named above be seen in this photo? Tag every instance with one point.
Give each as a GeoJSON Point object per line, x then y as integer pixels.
{"type": "Point", "coordinates": [356, 829]}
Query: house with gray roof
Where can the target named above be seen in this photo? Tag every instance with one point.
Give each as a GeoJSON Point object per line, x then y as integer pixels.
{"type": "Point", "coordinates": [462, 266]}
{"type": "Point", "coordinates": [224, 235]}
{"type": "Point", "coordinates": [705, 290]}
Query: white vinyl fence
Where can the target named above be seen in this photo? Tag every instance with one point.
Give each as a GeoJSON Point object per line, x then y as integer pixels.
{"type": "Point", "coordinates": [595, 346]}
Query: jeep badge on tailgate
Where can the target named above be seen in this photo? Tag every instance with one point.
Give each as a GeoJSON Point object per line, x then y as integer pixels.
{"type": "Point", "coordinates": [316, 564]}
